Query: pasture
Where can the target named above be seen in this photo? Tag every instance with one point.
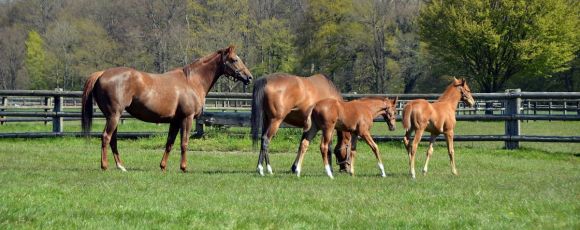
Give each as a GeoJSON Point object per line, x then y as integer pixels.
{"type": "Point", "coordinates": [57, 183]}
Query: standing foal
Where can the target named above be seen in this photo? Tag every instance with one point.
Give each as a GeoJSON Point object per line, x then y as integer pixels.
{"type": "Point", "coordinates": [355, 117]}
{"type": "Point", "coordinates": [436, 118]}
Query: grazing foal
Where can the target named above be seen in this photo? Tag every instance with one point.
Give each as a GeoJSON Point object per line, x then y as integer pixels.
{"type": "Point", "coordinates": [437, 118]}
{"type": "Point", "coordinates": [355, 117]}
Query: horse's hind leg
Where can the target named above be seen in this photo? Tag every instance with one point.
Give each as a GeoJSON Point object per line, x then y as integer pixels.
{"type": "Point", "coordinates": [107, 136]}
{"type": "Point", "coordinates": [324, 143]}
{"type": "Point", "coordinates": [185, 129]}
{"type": "Point", "coordinates": [413, 150]}
{"type": "Point", "coordinates": [449, 140]}
{"type": "Point", "coordinates": [429, 152]}
{"type": "Point", "coordinates": [304, 143]}
{"type": "Point", "coordinates": [173, 130]}
{"type": "Point", "coordinates": [115, 151]}
{"type": "Point", "coordinates": [274, 124]}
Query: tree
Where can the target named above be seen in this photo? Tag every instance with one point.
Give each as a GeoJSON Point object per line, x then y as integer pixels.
{"type": "Point", "coordinates": [35, 61]}
{"type": "Point", "coordinates": [494, 40]}
{"type": "Point", "coordinates": [12, 56]}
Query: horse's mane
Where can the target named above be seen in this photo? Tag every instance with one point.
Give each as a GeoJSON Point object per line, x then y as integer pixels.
{"type": "Point", "coordinates": [202, 60]}
{"type": "Point", "coordinates": [449, 91]}
{"type": "Point", "coordinates": [373, 98]}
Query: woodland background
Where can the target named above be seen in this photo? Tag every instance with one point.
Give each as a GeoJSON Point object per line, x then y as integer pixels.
{"type": "Point", "coordinates": [366, 46]}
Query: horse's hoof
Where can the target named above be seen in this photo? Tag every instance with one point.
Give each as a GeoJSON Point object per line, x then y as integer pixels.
{"type": "Point", "coordinates": [260, 170]}
{"type": "Point", "coordinates": [269, 169]}
{"type": "Point", "coordinates": [293, 168]}
{"type": "Point", "coordinates": [122, 168]}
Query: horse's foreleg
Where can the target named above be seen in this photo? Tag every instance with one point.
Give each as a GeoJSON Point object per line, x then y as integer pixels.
{"type": "Point", "coordinates": [324, 143]}
{"type": "Point", "coordinates": [185, 130]}
{"type": "Point", "coordinates": [115, 151]}
{"type": "Point", "coordinates": [429, 152]}
{"type": "Point", "coordinates": [110, 127]}
{"type": "Point", "coordinates": [449, 140]}
{"type": "Point", "coordinates": [172, 134]}
{"type": "Point", "coordinates": [369, 140]}
{"type": "Point", "coordinates": [413, 148]}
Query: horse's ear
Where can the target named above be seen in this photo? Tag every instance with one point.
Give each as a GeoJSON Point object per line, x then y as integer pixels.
{"type": "Point", "coordinates": [463, 81]}
{"type": "Point", "coordinates": [395, 101]}
{"type": "Point", "coordinates": [231, 49]}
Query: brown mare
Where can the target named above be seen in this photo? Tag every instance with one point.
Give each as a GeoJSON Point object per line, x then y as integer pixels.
{"type": "Point", "coordinates": [436, 118]}
{"type": "Point", "coordinates": [355, 117]}
{"type": "Point", "coordinates": [175, 97]}
{"type": "Point", "coordinates": [287, 98]}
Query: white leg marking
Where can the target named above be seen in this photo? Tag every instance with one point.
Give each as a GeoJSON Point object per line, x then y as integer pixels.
{"type": "Point", "coordinates": [328, 171]}
{"type": "Point", "coordinates": [413, 173]}
{"type": "Point", "coordinates": [261, 170]}
{"type": "Point", "coordinates": [425, 170]}
{"type": "Point", "coordinates": [382, 168]}
{"type": "Point", "coordinates": [298, 169]}
{"type": "Point", "coordinates": [269, 169]}
{"type": "Point", "coordinates": [119, 166]}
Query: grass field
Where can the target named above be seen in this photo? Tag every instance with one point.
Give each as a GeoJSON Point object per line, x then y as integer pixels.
{"type": "Point", "coordinates": [57, 183]}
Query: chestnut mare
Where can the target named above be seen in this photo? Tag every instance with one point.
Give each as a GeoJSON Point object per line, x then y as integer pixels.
{"type": "Point", "coordinates": [175, 97]}
{"type": "Point", "coordinates": [287, 98]}
{"type": "Point", "coordinates": [437, 118]}
{"type": "Point", "coordinates": [355, 117]}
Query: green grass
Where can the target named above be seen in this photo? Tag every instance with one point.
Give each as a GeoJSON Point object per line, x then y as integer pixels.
{"type": "Point", "coordinates": [57, 183]}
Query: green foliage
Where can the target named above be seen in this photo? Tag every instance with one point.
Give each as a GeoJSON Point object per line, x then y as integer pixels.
{"type": "Point", "coordinates": [35, 61]}
{"type": "Point", "coordinates": [364, 46]}
{"type": "Point", "coordinates": [492, 41]}
{"type": "Point", "coordinates": [275, 46]}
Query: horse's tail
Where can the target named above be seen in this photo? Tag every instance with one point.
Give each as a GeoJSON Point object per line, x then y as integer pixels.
{"type": "Point", "coordinates": [407, 117]}
{"type": "Point", "coordinates": [257, 118]}
{"type": "Point", "coordinates": [87, 103]}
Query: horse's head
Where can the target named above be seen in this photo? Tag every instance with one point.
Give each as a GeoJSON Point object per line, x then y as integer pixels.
{"type": "Point", "coordinates": [233, 66]}
{"type": "Point", "coordinates": [390, 112]}
{"type": "Point", "coordinates": [466, 97]}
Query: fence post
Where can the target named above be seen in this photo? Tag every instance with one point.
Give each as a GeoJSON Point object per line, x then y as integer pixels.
{"type": "Point", "coordinates": [512, 127]}
{"type": "Point", "coordinates": [46, 109]}
{"type": "Point", "coordinates": [198, 127]}
{"type": "Point", "coordinates": [4, 104]}
{"type": "Point", "coordinates": [57, 121]}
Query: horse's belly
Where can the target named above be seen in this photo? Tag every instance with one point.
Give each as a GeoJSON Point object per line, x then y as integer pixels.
{"type": "Point", "coordinates": [432, 128]}
{"type": "Point", "coordinates": [150, 114]}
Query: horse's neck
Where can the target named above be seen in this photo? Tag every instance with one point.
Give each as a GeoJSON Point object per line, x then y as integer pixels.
{"type": "Point", "coordinates": [450, 96]}
{"type": "Point", "coordinates": [376, 106]}
{"type": "Point", "coordinates": [207, 72]}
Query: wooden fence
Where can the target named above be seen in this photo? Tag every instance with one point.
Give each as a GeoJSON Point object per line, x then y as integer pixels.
{"type": "Point", "coordinates": [232, 109]}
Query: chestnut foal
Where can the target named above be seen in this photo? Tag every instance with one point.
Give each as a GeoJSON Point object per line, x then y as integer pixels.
{"type": "Point", "coordinates": [437, 118]}
{"type": "Point", "coordinates": [355, 117]}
